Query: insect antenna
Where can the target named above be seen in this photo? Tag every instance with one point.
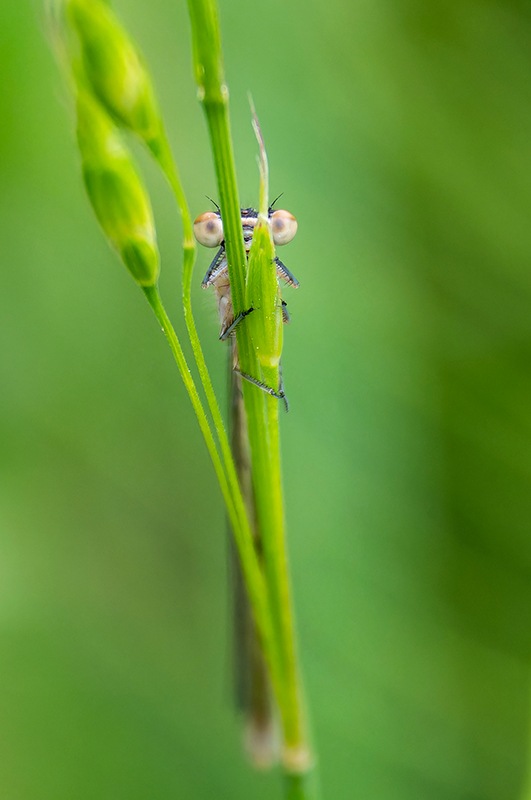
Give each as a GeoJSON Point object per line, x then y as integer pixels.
{"type": "Point", "coordinates": [275, 200]}
{"type": "Point", "coordinates": [215, 204]}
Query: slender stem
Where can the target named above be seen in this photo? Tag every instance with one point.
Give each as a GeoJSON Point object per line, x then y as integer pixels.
{"type": "Point", "coordinates": [219, 128]}
{"type": "Point", "coordinates": [266, 331]}
{"type": "Point", "coordinates": [282, 656]}
{"type": "Point", "coordinates": [167, 163]}
{"type": "Point", "coordinates": [276, 559]}
{"type": "Point", "coordinates": [153, 297]}
{"type": "Point", "coordinates": [233, 499]}
{"type": "Point", "coordinates": [214, 95]}
{"type": "Point", "coordinates": [262, 417]}
{"type": "Point", "coordinates": [169, 167]}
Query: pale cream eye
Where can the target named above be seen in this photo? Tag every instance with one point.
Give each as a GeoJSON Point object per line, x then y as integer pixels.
{"type": "Point", "coordinates": [208, 229]}
{"type": "Point", "coordinates": [283, 226]}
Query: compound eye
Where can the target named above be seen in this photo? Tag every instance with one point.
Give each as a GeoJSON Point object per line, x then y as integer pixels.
{"type": "Point", "coordinates": [208, 229]}
{"type": "Point", "coordinates": [283, 226]}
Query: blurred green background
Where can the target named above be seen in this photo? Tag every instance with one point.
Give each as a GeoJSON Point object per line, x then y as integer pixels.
{"type": "Point", "coordinates": [400, 134]}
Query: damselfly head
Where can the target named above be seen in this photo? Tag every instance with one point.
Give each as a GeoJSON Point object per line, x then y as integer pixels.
{"type": "Point", "coordinates": [283, 226]}
{"type": "Point", "coordinates": [208, 229]}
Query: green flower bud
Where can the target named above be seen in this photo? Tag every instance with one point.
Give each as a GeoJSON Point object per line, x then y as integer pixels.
{"type": "Point", "coordinates": [114, 68]}
{"type": "Point", "coordinates": [116, 192]}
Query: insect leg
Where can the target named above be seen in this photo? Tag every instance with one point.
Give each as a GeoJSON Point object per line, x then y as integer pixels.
{"type": "Point", "coordinates": [217, 266]}
{"type": "Point", "coordinates": [284, 273]}
{"type": "Point", "coordinates": [235, 322]}
{"type": "Point", "coordinates": [265, 388]}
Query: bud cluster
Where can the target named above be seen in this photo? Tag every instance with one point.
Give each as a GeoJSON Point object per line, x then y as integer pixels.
{"type": "Point", "coordinates": [113, 93]}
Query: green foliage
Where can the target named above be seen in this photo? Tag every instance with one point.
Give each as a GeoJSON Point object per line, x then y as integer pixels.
{"type": "Point", "coordinates": [110, 80]}
{"type": "Point", "coordinates": [400, 134]}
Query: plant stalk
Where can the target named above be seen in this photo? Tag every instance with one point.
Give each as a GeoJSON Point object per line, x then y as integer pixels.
{"type": "Point", "coordinates": [262, 410]}
{"type": "Point", "coordinates": [233, 499]}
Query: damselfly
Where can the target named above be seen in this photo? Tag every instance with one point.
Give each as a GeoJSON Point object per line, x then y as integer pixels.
{"type": "Point", "coordinates": [208, 229]}
{"type": "Point", "coordinates": [252, 684]}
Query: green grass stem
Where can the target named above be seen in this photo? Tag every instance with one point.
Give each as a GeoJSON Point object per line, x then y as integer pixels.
{"type": "Point", "coordinates": [262, 410]}
{"type": "Point", "coordinates": [166, 161]}
{"type": "Point", "coordinates": [233, 499]}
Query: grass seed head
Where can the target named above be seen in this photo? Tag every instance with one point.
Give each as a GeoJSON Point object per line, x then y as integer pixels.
{"type": "Point", "coordinates": [114, 68]}
{"type": "Point", "coordinates": [116, 192]}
